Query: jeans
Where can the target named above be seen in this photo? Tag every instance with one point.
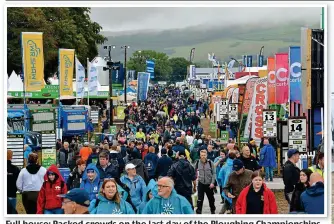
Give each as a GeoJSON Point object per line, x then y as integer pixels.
{"type": "Point", "coordinates": [269, 173]}
{"type": "Point", "coordinates": [205, 189]}
{"type": "Point", "coordinates": [54, 211]}
{"type": "Point", "coordinates": [13, 202]}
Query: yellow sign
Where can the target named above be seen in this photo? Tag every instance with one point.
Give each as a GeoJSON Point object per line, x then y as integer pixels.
{"type": "Point", "coordinates": [120, 112]}
{"type": "Point", "coordinates": [263, 73]}
{"type": "Point", "coordinates": [33, 60]}
{"type": "Point", "coordinates": [66, 60]}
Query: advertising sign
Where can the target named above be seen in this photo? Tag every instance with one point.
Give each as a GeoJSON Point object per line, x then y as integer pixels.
{"type": "Point", "coordinates": [233, 112]}
{"type": "Point", "coordinates": [269, 123]}
{"type": "Point", "coordinates": [297, 133]}
{"type": "Point", "coordinates": [66, 64]}
{"type": "Point", "coordinates": [295, 75]}
{"type": "Point", "coordinates": [224, 137]}
{"type": "Point", "coordinates": [49, 157]}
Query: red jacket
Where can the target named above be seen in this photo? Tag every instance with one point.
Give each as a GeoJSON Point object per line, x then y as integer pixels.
{"type": "Point", "coordinates": [47, 197]}
{"type": "Point", "coordinates": [269, 205]}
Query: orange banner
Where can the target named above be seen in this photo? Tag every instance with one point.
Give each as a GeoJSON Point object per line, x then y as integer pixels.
{"type": "Point", "coordinates": [271, 81]}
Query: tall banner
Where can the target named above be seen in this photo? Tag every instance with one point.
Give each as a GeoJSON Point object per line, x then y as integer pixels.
{"type": "Point", "coordinates": [235, 95]}
{"type": "Point", "coordinates": [92, 80]}
{"type": "Point", "coordinates": [229, 93]}
{"type": "Point", "coordinates": [260, 103]}
{"type": "Point", "coordinates": [295, 75]}
{"type": "Point", "coordinates": [271, 81]}
{"type": "Point", "coordinates": [150, 68]}
{"type": "Point", "coordinates": [80, 79]}
{"type": "Point", "coordinates": [260, 61]}
{"type": "Point", "coordinates": [66, 62]}
{"type": "Point", "coordinates": [246, 104]}
{"type": "Point", "coordinates": [249, 60]}
{"type": "Point", "coordinates": [282, 78]}
{"type": "Point", "coordinates": [33, 60]}
{"type": "Point", "coordinates": [244, 60]}
{"type": "Point", "coordinates": [142, 85]}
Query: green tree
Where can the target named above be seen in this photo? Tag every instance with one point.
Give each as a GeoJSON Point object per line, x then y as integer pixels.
{"type": "Point", "coordinates": [179, 66]}
{"type": "Point", "coordinates": [162, 68]}
{"type": "Point", "coordinates": [62, 28]}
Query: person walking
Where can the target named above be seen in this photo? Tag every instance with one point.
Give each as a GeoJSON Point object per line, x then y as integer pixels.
{"type": "Point", "coordinates": [256, 198]}
{"type": "Point", "coordinates": [249, 161]}
{"type": "Point", "coordinates": [85, 151]}
{"type": "Point", "coordinates": [75, 178]}
{"type": "Point", "coordinates": [76, 201]}
{"type": "Point", "coordinates": [91, 181]}
{"type": "Point", "coordinates": [184, 176]}
{"type": "Point", "coordinates": [29, 182]}
{"type": "Point", "coordinates": [313, 199]}
{"type": "Point", "coordinates": [206, 182]}
{"type": "Point", "coordinates": [291, 173]}
{"type": "Point", "coordinates": [163, 165]}
{"type": "Point", "coordinates": [65, 156]}
{"type": "Point", "coordinates": [12, 175]}
{"type": "Point", "coordinates": [268, 159]}
{"type": "Point", "coordinates": [237, 181]}
{"type": "Point", "coordinates": [151, 161]}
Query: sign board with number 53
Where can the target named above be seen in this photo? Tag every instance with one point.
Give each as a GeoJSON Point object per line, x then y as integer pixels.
{"type": "Point", "coordinates": [297, 128]}
{"type": "Point", "coordinates": [269, 123]}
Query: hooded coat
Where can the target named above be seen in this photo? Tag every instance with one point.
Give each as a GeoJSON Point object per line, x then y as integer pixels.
{"type": "Point", "coordinates": [106, 206]}
{"type": "Point", "coordinates": [175, 204]}
{"type": "Point", "coordinates": [92, 187]}
{"type": "Point", "coordinates": [313, 199]}
{"type": "Point", "coordinates": [31, 178]}
{"type": "Point", "coordinates": [27, 152]}
{"type": "Point", "coordinates": [268, 156]}
{"type": "Point", "coordinates": [137, 187]}
{"type": "Point", "coordinates": [149, 188]}
{"type": "Point", "coordinates": [224, 173]}
{"type": "Point", "coordinates": [47, 197]}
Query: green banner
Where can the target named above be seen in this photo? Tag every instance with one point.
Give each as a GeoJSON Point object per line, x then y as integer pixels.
{"type": "Point", "coordinates": [213, 127]}
{"type": "Point", "coordinates": [49, 157]}
{"type": "Point", "coordinates": [224, 136]}
{"type": "Point", "coordinates": [120, 112]}
{"type": "Point", "coordinates": [113, 130]}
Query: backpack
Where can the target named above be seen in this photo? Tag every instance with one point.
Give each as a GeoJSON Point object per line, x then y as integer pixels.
{"type": "Point", "coordinates": [210, 163]}
{"type": "Point", "coordinates": [149, 164]}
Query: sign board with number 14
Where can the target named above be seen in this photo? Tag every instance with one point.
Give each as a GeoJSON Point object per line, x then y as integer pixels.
{"type": "Point", "coordinates": [297, 133]}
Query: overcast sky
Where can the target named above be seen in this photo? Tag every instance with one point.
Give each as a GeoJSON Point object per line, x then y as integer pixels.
{"type": "Point", "coordinates": [126, 19]}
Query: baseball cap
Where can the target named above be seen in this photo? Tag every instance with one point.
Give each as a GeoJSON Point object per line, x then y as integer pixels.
{"type": "Point", "coordinates": [77, 195]}
{"type": "Point", "coordinates": [130, 166]}
{"type": "Point", "coordinates": [291, 152]}
{"type": "Point", "coordinates": [237, 164]}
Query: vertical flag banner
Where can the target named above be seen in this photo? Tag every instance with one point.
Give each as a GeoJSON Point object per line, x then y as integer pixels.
{"type": "Point", "coordinates": [260, 61]}
{"type": "Point", "coordinates": [142, 85]}
{"type": "Point", "coordinates": [235, 95]}
{"type": "Point", "coordinates": [295, 75]}
{"type": "Point", "coordinates": [92, 80]}
{"type": "Point", "coordinates": [249, 60]}
{"type": "Point", "coordinates": [271, 81]}
{"type": "Point", "coordinates": [150, 68]}
{"type": "Point", "coordinates": [66, 63]}
{"type": "Point", "coordinates": [33, 60]}
{"type": "Point", "coordinates": [80, 79]}
{"type": "Point", "coordinates": [282, 78]}
{"type": "Point", "coordinates": [246, 104]}
{"type": "Point", "coordinates": [244, 60]}
{"type": "Point", "coordinates": [259, 103]}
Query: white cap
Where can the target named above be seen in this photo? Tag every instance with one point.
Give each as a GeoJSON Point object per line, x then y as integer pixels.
{"type": "Point", "coordinates": [129, 166]}
{"type": "Point", "coordinates": [86, 144]}
{"type": "Point", "coordinates": [183, 133]}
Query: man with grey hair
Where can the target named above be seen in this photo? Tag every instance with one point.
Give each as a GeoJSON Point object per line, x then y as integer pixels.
{"type": "Point", "coordinates": [65, 156]}
{"type": "Point", "coordinates": [166, 200]}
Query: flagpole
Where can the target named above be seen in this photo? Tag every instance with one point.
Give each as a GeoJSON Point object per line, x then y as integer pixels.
{"type": "Point", "coordinates": [88, 68]}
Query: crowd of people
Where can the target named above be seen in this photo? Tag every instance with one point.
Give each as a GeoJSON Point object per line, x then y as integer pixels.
{"type": "Point", "coordinates": [162, 163]}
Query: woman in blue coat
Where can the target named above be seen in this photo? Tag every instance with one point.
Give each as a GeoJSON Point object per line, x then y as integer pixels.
{"type": "Point", "coordinates": [135, 183]}
{"type": "Point", "coordinates": [268, 159]}
{"type": "Point", "coordinates": [148, 195]}
{"type": "Point", "coordinates": [109, 201]}
{"type": "Point", "coordinates": [91, 181]}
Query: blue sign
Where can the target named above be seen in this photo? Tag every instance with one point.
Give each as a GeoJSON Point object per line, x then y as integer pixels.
{"type": "Point", "coordinates": [295, 74]}
{"type": "Point", "coordinates": [249, 60]}
{"type": "Point", "coordinates": [118, 75]}
{"type": "Point", "coordinates": [150, 68]}
{"type": "Point", "coordinates": [215, 84]}
{"type": "Point", "coordinates": [142, 85]}
{"type": "Point", "coordinates": [260, 61]}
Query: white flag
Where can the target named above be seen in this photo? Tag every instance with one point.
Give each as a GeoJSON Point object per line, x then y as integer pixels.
{"type": "Point", "coordinates": [92, 80]}
{"type": "Point", "coordinates": [80, 78]}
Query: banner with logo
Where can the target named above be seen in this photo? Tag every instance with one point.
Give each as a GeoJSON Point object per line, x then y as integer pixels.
{"type": "Point", "coordinates": [92, 80]}
{"type": "Point", "coordinates": [120, 112]}
{"type": "Point", "coordinates": [235, 95]}
{"type": "Point", "coordinates": [150, 68]}
{"type": "Point", "coordinates": [118, 77]}
{"type": "Point", "coordinates": [260, 103]}
{"type": "Point", "coordinates": [246, 104]}
{"type": "Point", "coordinates": [282, 78]}
{"type": "Point", "coordinates": [229, 93]}
{"type": "Point", "coordinates": [295, 75]}
{"type": "Point", "coordinates": [80, 79]}
{"type": "Point", "coordinates": [33, 60]}
{"type": "Point", "coordinates": [142, 85]}
{"type": "Point", "coordinates": [271, 81]}
{"type": "Point", "coordinates": [244, 60]}
{"type": "Point", "coordinates": [66, 63]}
{"type": "Point", "coordinates": [260, 61]}
{"type": "Point", "coordinates": [249, 60]}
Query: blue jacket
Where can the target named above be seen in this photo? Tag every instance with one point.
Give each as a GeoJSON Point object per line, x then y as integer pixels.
{"type": "Point", "coordinates": [91, 187]}
{"type": "Point", "coordinates": [149, 188]}
{"type": "Point", "coordinates": [106, 206]}
{"type": "Point", "coordinates": [312, 199]}
{"type": "Point", "coordinates": [224, 173]}
{"type": "Point", "coordinates": [177, 148]}
{"type": "Point", "coordinates": [27, 152]}
{"type": "Point", "coordinates": [164, 164]}
{"type": "Point", "coordinates": [217, 168]}
{"type": "Point", "coordinates": [268, 156]}
{"type": "Point", "coordinates": [137, 187]}
{"type": "Point", "coordinates": [175, 204]}
{"type": "Point", "coordinates": [151, 166]}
